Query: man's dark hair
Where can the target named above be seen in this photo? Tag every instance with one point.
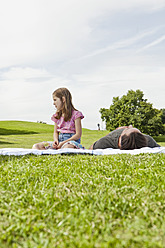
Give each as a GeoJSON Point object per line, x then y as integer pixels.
{"type": "Point", "coordinates": [134, 140]}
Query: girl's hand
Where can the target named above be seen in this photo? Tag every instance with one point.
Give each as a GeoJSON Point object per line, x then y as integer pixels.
{"type": "Point", "coordinates": [60, 145]}
{"type": "Point", "coordinates": [55, 144]}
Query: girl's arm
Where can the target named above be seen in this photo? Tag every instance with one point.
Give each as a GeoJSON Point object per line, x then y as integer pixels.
{"type": "Point", "coordinates": [77, 135]}
{"type": "Point", "coordinates": [55, 136]}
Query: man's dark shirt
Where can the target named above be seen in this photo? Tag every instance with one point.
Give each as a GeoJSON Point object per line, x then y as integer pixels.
{"type": "Point", "coordinates": [111, 140]}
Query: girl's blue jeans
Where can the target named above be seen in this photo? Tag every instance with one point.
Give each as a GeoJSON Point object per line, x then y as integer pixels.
{"type": "Point", "coordinates": [65, 136]}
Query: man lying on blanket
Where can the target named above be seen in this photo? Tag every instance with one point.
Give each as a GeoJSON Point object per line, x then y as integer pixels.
{"type": "Point", "coordinates": [125, 138]}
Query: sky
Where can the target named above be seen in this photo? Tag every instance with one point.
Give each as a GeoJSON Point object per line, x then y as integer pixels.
{"type": "Point", "coordinates": [98, 49]}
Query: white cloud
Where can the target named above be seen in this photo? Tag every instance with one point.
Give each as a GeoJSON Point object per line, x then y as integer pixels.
{"type": "Point", "coordinates": [154, 43]}
{"type": "Point", "coordinates": [46, 44]}
{"type": "Point", "coordinates": [27, 73]}
{"type": "Point", "coordinates": [45, 31]}
{"type": "Point", "coordinates": [126, 43]}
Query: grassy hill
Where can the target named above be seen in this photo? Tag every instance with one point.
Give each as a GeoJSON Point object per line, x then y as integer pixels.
{"type": "Point", "coordinates": [25, 134]}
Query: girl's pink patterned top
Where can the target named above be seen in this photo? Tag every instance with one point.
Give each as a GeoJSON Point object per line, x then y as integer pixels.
{"type": "Point", "coordinates": [67, 126]}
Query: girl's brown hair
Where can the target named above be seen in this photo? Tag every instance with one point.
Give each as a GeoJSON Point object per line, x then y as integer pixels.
{"type": "Point", "coordinates": [67, 106]}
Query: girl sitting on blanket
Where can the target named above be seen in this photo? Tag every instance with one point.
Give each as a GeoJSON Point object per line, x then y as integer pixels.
{"type": "Point", "coordinates": [67, 127]}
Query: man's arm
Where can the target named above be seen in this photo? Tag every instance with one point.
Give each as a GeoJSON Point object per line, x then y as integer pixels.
{"type": "Point", "coordinates": [151, 142]}
{"type": "Point", "coordinates": [91, 147]}
{"type": "Point", "coordinates": [130, 126]}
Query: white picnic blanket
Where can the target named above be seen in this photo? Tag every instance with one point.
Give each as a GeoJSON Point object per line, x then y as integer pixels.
{"type": "Point", "coordinates": [108, 151]}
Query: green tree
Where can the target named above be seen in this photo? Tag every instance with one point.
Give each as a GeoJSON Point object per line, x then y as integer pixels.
{"type": "Point", "coordinates": [133, 109]}
{"type": "Point", "coordinates": [163, 115]}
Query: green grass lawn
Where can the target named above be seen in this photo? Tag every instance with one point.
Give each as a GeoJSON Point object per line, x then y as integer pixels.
{"type": "Point", "coordinates": [79, 201]}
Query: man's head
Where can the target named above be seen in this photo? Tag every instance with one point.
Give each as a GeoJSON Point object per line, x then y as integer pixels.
{"type": "Point", "coordinates": [132, 138]}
